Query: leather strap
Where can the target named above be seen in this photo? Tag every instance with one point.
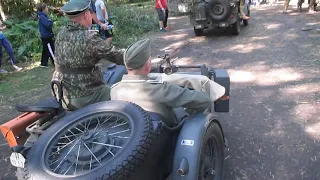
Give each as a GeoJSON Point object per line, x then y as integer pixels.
{"type": "Point", "coordinates": [66, 70]}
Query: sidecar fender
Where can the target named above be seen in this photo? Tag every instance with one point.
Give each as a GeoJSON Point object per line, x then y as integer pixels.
{"type": "Point", "coordinates": [189, 144]}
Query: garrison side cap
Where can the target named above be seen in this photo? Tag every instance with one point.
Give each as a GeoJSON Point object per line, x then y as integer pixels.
{"type": "Point", "coordinates": [76, 7]}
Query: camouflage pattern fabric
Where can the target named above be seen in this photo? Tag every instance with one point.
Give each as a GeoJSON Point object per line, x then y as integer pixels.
{"type": "Point", "coordinates": [78, 47]}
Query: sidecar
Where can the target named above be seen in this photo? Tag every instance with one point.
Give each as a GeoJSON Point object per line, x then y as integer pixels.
{"type": "Point", "coordinates": [117, 139]}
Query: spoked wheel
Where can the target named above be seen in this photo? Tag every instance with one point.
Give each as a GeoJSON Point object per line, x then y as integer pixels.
{"type": "Point", "coordinates": [88, 144]}
{"type": "Point", "coordinates": [107, 140]}
{"type": "Point", "coordinates": [212, 154]}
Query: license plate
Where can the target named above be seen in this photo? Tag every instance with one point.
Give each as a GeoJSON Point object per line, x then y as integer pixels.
{"type": "Point", "coordinates": [17, 160]}
{"type": "Point", "coordinates": [223, 25]}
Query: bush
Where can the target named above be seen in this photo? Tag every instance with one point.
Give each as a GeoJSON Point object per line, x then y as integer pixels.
{"type": "Point", "coordinates": [25, 37]}
{"type": "Point", "coordinates": [131, 22]}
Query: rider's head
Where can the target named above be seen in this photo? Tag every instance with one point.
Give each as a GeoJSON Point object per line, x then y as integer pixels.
{"type": "Point", "coordinates": [78, 11]}
{"type": "Point", "coordinates": [137, 58]}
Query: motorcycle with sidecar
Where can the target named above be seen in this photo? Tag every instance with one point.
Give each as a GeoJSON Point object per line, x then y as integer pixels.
{"type": "Point", "coordinates": [118, 140]}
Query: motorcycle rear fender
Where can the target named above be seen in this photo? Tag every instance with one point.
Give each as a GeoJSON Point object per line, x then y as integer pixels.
{"type": "Point", "coordinates": [15, 130]}
{"type": "Point", "coordinates": [189, 144]}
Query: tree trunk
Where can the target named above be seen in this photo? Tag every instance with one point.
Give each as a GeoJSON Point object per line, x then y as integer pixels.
{"type": "Point", "coordinates": [2, 15]}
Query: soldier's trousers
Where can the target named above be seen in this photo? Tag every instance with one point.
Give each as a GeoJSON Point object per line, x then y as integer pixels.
{"type": "Point", "coordinates": [242, 8]}
{"type": "Point", "coordinates": [196, 82]}
{"type": "Point", "coordinates": [102, 95]}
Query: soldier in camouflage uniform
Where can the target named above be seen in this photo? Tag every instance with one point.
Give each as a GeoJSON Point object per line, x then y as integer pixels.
{"type": "Point", "coordinates": [78, 50]}
{"type": "Point", "coordinates": [154, 95]}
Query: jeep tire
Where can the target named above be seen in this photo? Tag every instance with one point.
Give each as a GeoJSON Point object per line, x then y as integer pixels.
{"type": "Point", "coordinates": [245, 22]}
{"type": "Point", "coordinates": [235, 28]}
{"type": "Point", "coordinates": [198, 32]}
{"type": "Point", "coordinates": [218, 10]}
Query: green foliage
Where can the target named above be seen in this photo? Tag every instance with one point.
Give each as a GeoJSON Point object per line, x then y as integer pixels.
{"type": "Point", "coordinates": [131, 22]}
{"type": "Point", "coordinates": [19, 8]}
{"type": "Point", "coordinates": [23, 37]}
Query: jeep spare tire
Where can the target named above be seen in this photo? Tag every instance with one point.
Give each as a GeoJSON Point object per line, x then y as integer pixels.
{"type": "Point", "coordinates": [107, 140]}
{"type": "Point", "coordinates": [218, 10]}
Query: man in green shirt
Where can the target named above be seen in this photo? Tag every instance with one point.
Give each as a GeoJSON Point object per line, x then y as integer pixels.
{"type": "Point", "coordinates": [154, 95]}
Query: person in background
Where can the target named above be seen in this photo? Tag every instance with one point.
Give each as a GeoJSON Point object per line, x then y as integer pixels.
{"type": "Point", "coordinates": [6, 44]}
{"type": "Point", "coordinates": [286, 6]}
{"type": "Point", "coordinates": [46, 34]}
{"type": "Point", "coordinates": [95, 19]}
{"type": "Point", "coordinates": [102, 16]}
{"type": "Point", "coordinates": [163, 13]}
{"type": "Point", "coordinates": [243, 15]}
{"type": "Point", "coordinates": [312, 6]}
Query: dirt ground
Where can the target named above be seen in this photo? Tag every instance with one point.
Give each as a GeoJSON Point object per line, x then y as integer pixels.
{"type": "Point", "coordinates": [274, 124]}
{"type": "Point", "coordinates": [273, 127]}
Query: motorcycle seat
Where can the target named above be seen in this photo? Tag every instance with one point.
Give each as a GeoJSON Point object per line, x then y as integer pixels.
{"type": "Point", "coordinates": [46, 105]}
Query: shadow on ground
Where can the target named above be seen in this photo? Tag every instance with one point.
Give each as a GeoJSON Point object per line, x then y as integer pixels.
{"type": "Point", "coordinates": [273, 127]}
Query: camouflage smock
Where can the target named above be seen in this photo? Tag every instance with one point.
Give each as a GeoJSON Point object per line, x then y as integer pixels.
{"type": "Point", "coordinates": [78, 47]}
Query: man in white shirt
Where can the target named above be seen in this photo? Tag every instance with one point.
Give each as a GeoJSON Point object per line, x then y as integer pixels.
{"type": "Point", "coordinates": [102, 15]}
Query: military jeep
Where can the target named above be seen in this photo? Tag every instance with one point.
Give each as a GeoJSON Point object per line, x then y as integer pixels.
{"type": "Point", "coordinates": [206, 14]}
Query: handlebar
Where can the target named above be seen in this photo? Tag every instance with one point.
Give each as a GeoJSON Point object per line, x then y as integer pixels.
{"type": "Point", "coordinates": [168, 67]}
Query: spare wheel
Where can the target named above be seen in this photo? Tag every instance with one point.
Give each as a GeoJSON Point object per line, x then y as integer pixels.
{"type": "Point", "coordinates": [107, 140]}
{"type": "Point", "coordinates": [218, 10]}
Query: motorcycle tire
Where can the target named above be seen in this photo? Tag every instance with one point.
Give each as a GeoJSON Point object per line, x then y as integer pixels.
{"type": "Point", "coordinates": [122, 163]}
{"type": "Point", "coordinates": [213, 136]}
